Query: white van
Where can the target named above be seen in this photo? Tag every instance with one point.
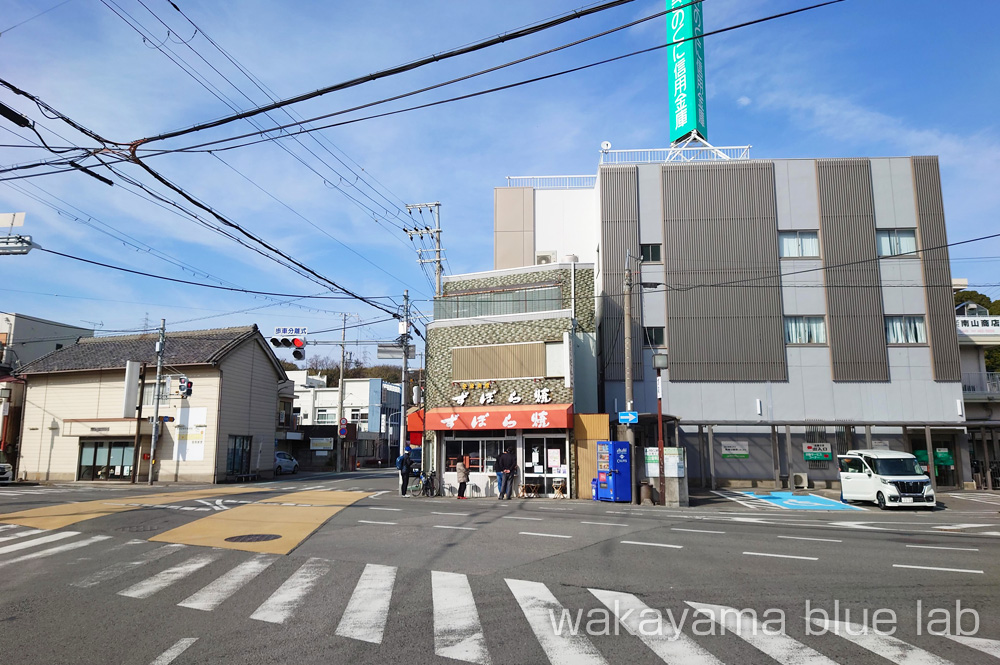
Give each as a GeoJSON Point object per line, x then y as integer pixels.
{"type": "Point", "coordinates": [887, 477]}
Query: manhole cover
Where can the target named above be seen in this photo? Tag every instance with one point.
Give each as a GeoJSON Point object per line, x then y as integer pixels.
{"type": "Point", "coordinates": [253, 538]}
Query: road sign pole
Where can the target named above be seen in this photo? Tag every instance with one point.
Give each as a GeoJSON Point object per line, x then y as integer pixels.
{"type": "Point", "coordinates": [340, 386]}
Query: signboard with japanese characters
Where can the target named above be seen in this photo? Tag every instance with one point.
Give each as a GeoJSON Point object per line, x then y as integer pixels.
{"type": "Point", "coordinates": [735, 449]}
{"type": "Point", "coordinates": [686, 78]}
{"type": "Point", "coordinates": [495, 417]}
{"type": "Point", "coordinates": [814, 452]}
{"type": "Point", "coordinates": [287, 330]}
{"type": "Point", "coordinates": [978, 325]}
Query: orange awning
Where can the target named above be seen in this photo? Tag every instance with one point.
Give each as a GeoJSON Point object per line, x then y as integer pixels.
{"type": "Point", "coordinates": [490, 416]}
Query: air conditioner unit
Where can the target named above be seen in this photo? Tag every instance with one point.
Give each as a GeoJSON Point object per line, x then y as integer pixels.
{"type": "Point", "coordinates": [543, 258]}
{"type": "Point", "coordinates": [800, 481]}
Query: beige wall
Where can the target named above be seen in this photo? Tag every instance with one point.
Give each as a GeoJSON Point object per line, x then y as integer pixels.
{"type": "Point", "coordinates": [513, 227]}
{"type": "Point", "coordinates": [249, 396]}
{"type": "Point", "coordinates": [56, 403]}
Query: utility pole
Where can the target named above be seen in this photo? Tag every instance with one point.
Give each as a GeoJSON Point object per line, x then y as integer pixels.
{"type": "Point", "coordinates": [629, 433]}
{"type": "Point", "coordinates": [434, 233]}
{"type": "Point", "coordinates": [340, 391]}
{"type": "Point", "coordinates": [405, 340]}
{"type": "Point", "coordinates": [136, 456]}
{"type": "Point", "coordinates": [156, 397]}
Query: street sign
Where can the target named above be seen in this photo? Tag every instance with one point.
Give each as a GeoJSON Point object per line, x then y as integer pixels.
{"type": "Point", "coordinates": [628, 417]}
{"type": "Point", "coordinates": [394, 351]}
{"type": "Point", "coordinates": [343, 421]}
{"type": "Point", "coordinates": [343, 431]}
{"type": "Point", "coordinates": [815, 452]}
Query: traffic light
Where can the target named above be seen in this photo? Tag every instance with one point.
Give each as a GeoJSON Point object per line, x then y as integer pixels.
{"type": "Point", "coordinates": [184, 387]}
{"type": "Point", "coordinates": [297, 344]}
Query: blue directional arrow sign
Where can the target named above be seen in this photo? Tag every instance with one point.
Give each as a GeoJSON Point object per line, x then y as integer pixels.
{"type": "Point", "coordinates": [628, 417]}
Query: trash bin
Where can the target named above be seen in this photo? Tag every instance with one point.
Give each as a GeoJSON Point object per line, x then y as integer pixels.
{"type": "Point", "coordinates": [593, 489]}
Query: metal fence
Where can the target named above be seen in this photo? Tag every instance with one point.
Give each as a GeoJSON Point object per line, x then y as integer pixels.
{"type": "Point", "coordinates": [981, 382]}
{"type": "Point", "coordinates": [497, 303]}
{"type": "Point", "coordinates": [553, 181]}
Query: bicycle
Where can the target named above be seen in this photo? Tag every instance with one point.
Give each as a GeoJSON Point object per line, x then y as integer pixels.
{"type": "Point", "coordinates": [424, 485]}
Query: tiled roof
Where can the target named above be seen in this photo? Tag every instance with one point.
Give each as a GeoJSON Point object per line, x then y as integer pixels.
{"type": "Point", "coordinates": [191, 347]}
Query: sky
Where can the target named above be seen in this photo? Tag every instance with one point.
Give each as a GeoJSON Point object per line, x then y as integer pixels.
{"type": "Point", "coordinates": [857, 78]}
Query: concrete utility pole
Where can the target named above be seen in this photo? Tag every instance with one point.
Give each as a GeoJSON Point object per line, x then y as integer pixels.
{"type": "Point", "coordinates": [629, 432]}
{"type": "Point", "coordinates": [340, 390]}
{"type": "Point", "coordinates": [156, 397]}
{"type": "Point", "coordinates": [434, 233]}
{"type": "Point", "coordinates": [405, 339]}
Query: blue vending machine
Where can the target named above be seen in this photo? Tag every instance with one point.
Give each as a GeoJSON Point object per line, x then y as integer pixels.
{"type": "Point", "coordinates": [614, 471]}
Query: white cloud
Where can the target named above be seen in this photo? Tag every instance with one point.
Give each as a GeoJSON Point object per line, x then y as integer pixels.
{"type": "Point", "coordinates": [744, 101]}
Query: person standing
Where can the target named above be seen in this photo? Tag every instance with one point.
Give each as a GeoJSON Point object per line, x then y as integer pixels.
{"type": "Point", "coordinates": [507, 463]}
{"type": "Point", "coordinates": [404, 465]}
{"type": "Point", "coordinates": [499, 472]}
{"type": "Point", "coordinates": [462, 472]}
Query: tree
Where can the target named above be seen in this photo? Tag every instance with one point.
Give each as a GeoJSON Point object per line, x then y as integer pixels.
{"type": "Point", "coordinates": [980, 299]}
{"type": "Point", "coordinates": [993, 359]}
{"type": "Point", "coordinates": [288, 365]}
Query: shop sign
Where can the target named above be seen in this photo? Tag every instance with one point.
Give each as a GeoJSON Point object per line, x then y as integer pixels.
{"type": "Point", "coordinates": [686, 70]}
{"type": "Point", "coordinates": [325, 443]}
{"type": "Point", "coordinates": [978, 325]}
{"type": "Point", "coordinates": [735, 449]}
{"type": "Point", "coordinates": [555, 416]}
{"type": "Point", "coordinates": [816, 452]}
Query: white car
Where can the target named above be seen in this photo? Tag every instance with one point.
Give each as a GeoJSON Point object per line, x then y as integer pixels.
{"type": "Point", "coordinates": [6, 473]}
{"type": "Point", "coordinates": [887, 477]}
{"type": "Point", "coordinates": [283, 462]}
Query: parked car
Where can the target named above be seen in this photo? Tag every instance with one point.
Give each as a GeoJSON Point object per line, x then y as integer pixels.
{"type": "Point", "coordinates": [887, 477]}
{"type": "Point", "coordinates": [6, 473]}
{"type": "Point", "coordinates": [284, 463]}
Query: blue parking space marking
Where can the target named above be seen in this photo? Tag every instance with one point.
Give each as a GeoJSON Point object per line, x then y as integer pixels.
{"type": "Point", "coordinates": [798, 502]}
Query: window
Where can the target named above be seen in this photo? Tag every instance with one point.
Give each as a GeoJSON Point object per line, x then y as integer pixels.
{"type": "Point", "coordinates": [893, 242]}
{"type": "Point", "coordinates": [798, 244]}
{"type": "Point", "coordinates": [851, 465]}
{"type": "Point", "coordinates": [652, 336]}
{"type": "Point", "coordinates": [149, 390]}
{"type": "Point", "coordinates": [805, 330]}
{"type": "Point", "coordinates": [650, 253]}
{"type": "Point", "coordinates": [905, 330]}
{"type": "Point", "coordinates": [359, 416]}
{"type": "Point", "coordinates": [238, 455]}
{"type": "Point", "coordinates": [325, 417]}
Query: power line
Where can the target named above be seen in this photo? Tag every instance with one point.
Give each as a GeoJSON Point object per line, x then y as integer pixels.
{"type": "Point", "coordinates": [399, 69]}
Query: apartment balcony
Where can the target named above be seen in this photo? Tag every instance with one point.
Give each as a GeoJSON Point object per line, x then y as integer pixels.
{"type": "Point", "coordinates": [983, 385]}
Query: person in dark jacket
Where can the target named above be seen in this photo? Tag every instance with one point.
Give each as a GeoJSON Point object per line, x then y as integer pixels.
{"type": "Point", "coordinates": [507, 463]}
{"type": "Point", "coordinates": [404, 471]}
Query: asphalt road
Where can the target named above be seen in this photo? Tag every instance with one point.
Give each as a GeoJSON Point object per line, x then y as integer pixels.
{"type": "Point", "coordinates": [387, 579]}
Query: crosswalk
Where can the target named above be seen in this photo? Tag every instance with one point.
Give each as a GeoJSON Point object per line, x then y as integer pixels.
{"type": "Point", "coordinates": [553, 614]}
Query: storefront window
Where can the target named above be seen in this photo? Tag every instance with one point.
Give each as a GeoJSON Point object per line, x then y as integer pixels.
{"type": "Point", "coordinates": [105, 460]}
{"type": "Point", "coordinates": [546, 464]}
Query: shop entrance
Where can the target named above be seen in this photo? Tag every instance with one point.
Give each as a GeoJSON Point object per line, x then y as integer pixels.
{"type": "Point", "coordinates": [105, 460]}
{"type": "Point", "coordinates": [946, 461]}
{"type": "Point", "coordinates": [546, 463]}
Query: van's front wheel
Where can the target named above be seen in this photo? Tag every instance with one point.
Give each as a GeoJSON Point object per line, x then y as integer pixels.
{"type": "Point", "coordinates": [881, 501]}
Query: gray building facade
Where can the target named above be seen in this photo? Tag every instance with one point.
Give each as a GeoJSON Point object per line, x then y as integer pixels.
{"type": "Point", "coordinates": [799, 301]}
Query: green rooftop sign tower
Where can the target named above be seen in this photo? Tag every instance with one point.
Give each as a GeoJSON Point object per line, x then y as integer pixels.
{"type": "Point", "coordinates": [687, 71]}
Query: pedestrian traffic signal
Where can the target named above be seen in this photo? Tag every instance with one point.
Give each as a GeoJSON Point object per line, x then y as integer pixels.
{"type": "Point", "coordinates": [297, 344]}
{"type": "Point", "coordinates": [186, 386]}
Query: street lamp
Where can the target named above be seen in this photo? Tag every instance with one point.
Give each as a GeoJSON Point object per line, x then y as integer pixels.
{"type": "Point", "coordinates": [660, 363]}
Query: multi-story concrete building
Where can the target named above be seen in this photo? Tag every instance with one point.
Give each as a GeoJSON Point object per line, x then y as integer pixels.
{"type": "Point", "coordinates": [511, 363]}
{"type": "Point", "coordinates": [979, 331]}
{"type": "Point", "coordinates": [799, 302]}
{"type": "Point", "coordinates": [371, 406]}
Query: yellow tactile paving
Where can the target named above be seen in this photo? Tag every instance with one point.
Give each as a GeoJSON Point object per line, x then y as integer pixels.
{"type": "Point", "coordinates": [63, 515]}
{"type": "Point", "coordinates": [292, 517]}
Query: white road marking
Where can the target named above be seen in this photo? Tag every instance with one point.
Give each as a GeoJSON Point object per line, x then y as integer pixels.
{"type": "Point", "coordinates": [455, 514]}
{"type": "Point", "coordinates": [8, 527]}
{"type": "Point", "coordinates": [636, 542]}
{"type": "Point", "coordinates": [314, 487]}
{"type": "Point", "coordinates": [560, 509]}
{"type": "Point", "coordinates": [380, 508]}
{"type": "Point", "coordinates": [945, 570]}
{"type": "Point", "coordinates": [783, 556]}
{"type": "Point", "coordinates": [122, 567]}
{"type": "Point", "coordinates": [697, 530]}
{"type": "Point", "coordinates": [225, 586]}
{"type": "Point", "coordinates": [56, 550]}
{"type": "Point", "coordinates": [21, 534]}
{"type": "Point", "coordinates": [934, 547]}
{"type": "Point", "coordinates": [991, 647]}
{"type": "Point", "coordinates": [374, 522]}
{"type": "Point", "coordinates": [605, 523]}
{"type": "Point", "coordinates": [286, 598]}
{"type": "Point", "coordinates": [458, 633]}
{"type": "Point", "coordinates": [959, 526]}
{"type": "Point", "coordinates": [23, 545]}
{"type": "Point", "coordinates": [890, 648]}
{"type": "Point", "coordinates": [170, 654]}
{"type": "Point", "coordinates": [818, 540]}
{"type": "Point", "coordinates": [367, 611]}
{"type": "Point", "coordinates": [533, 519]}
{"type": "Point", "coordinates": [777, 645]}
{"type": "Point", "coordinates": [671, 645]}
{"type": "Point", "coordinates": [544, 535]}
{"type": "Point", "coordinates": [463, 528]}
{"type": "Point", "coordinates": [160, 581]}
{"type": "Point", "coordinates": [539, 607]}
